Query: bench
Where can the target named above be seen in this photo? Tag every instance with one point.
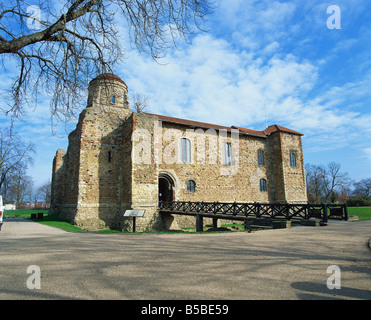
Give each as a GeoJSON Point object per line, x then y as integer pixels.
{"type": "Point", "coordinates": [39, 215]}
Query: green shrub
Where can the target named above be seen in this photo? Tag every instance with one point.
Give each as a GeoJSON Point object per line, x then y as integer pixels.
{"type": "Point", "coordinates": [358, 202]}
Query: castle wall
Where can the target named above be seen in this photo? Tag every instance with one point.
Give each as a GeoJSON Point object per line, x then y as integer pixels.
{"type": "Point", "coordinates": [294, 177]}
{"type": "Point", "coordinates": [103, 182]}
{"type": "Point", "coordinates": [57, 189]}
{"type": "Point", "coordinates": [214, 180]}
{"type": "Point", "coordinates": [115, 158]}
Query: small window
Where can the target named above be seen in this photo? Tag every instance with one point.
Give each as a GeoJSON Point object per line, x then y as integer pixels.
{"type": "Point", "coordinates": [191, 186]}
{"type": "Point", "coordinates": [185, 150]}
{"type": "Point", "coordinates": [292, 159]}
{"type": "Point", "coordinates": [263, 185]}
{"type": "Point", "coordinates": [260, 158]}
{"type": "Point", "coordinates": [109, 156]}
{"type": "Point", "coordinates": [227, 154]}
{"type": "Point", "coordinates": [113, 101]}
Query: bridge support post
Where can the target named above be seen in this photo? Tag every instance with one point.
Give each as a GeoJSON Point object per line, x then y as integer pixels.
{"type": "Point", "coordinates": [199, 223]}
{"type": "Point", "coordinates": [216, 223]}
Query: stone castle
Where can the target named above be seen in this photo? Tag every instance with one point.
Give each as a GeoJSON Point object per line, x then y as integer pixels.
{"type": "Point", "coordinates": [118, 160]}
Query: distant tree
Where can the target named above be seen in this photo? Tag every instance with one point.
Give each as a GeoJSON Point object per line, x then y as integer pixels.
{"type": "Point", "coordinates": [343, 197]}
{"type": "Point", "coordinates": [20, 185]}
{"type": "Point", "coordinates": [141, 103]}
{"type": "Point", "coordinates": [334, 179]}
{"type": "Point", "coordinates": [15, 154]}
{"type": "Point", "coordinates": [362, 188]}
{"type": "Point", "coordinates": [60, 46]}
{"type": "Point", "coordinates": [44, 192]}
{"type": "Point", "coordinates": [324, 183]}
{"type": "Point", "coordinates": [314, 177]}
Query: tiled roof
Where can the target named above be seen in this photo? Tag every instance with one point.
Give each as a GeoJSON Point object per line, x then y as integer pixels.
{"type": "Point", "coordinates": [276, 128]}
{"type": "Point", "coordinates": [108, 76]}
{"type": "Point", "coordinates": [188, 122]}
{"type": "Point", "coordinates": [251, 132]}
{"type": "Point", "coordinates": [262, 134]}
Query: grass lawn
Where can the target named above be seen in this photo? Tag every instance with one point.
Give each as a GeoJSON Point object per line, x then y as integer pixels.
{"type": "Point", "coordinates": [363, 213]}
{"type": "Point", "coordinates": [53, 220]}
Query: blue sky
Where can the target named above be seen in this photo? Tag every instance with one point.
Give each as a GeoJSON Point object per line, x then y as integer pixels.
{"type": "Point", "coordinates": [274, 61]}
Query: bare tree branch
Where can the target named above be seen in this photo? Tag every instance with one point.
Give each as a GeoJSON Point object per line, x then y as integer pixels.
{"type": "Point", "coordinates": [80, 40]}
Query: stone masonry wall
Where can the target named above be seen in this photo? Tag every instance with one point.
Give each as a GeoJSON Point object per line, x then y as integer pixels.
{"type": "Point", "coordinates": [214, 180]}
{"type": "Point", "coordinates": [294, 177]}
{"type": "Point", "coordinates": [115, 158]}
{"type": "Point", "coordinates": [102, 187]}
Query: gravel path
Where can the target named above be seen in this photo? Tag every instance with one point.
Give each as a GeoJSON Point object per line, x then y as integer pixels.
{"type": "Point", "coordinates": [269, 264]}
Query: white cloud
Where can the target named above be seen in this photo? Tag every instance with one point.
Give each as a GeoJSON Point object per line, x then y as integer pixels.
{"type": "Point", "coordinates": [253, 57]}
{"type": "Point", "coordinates": [367, 152]}
{"type": "Point", "coordinates": [213, 81]}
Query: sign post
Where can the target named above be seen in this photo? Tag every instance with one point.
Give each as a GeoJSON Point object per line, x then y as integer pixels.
{"type": "Point", "coordinates": [134, 214]}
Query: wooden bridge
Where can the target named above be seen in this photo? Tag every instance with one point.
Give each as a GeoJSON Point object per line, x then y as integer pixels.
{"type": "Point", "coordinates": [248, 212]}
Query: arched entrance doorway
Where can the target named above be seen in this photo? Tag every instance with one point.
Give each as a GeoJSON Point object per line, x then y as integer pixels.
{"type": "Point", "coordinates": [166, 193]}
{"type": "Point", "coordinates": [165, 188]}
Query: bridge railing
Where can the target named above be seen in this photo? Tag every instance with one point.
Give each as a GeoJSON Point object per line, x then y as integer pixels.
{"type": "Point", "coordinates": [288, 211]}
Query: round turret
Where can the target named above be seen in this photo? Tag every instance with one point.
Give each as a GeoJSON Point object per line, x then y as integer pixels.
{"type": "Point", "coordinates": [108, 90]}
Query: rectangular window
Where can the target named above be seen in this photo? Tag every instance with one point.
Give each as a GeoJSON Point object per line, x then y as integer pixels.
{"type": "Point", "coordinates": [292, 159]}
{"type": "Point", "coordinates": [227, 154]}
{"type": "Point", "coordinates": [260, 158]}
{"type": "Point", "coordinates": [191, 186]}
{"type": "Point", "coordinates": [185, 150]}
{"type": "Point", "coordinates": [263, 185]}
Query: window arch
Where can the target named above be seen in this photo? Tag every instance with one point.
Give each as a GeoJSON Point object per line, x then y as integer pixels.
{"type": "Point", "coordinates": [292, 159]}
{"type": "Point", "coordinates": [227, 154]}
{"type": "Point", "coordinates": [260, 158]}
{"type": "Point", "coordinates": [185, 150]}
{"type": "Point", "coordinates": [263, 185]}
{"type": "Point", "coordinates": [191, 186]}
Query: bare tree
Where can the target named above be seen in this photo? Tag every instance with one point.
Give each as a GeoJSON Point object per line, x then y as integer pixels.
{"type": "Point", "coordinates": [140, 103]}
{"type": "Point", "coordinates": [314, 179]}
{"type": "Point", "coordinates": [60, 49]}
{"type": "Point", "coordinates": [44, 191]}
{"type": "Point", "coordinates": [334, 179]}
{"type": "Point", "coordinates": [363, 188]}
{"type": "Point", "coordinates": [14, 153]}
{"type": "Point", "coordinates": [324, 183]}
{"type": "Point", "coordinates": [19, 185]}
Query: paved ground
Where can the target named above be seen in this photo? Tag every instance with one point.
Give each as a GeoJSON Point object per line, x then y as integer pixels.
{"type": "Point", "coordinates": [271, 264]}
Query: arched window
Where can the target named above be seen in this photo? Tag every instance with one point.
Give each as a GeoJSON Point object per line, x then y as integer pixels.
{"type": "Point", "coordinates": [227, 154]}
{"type": "Point", "coordinates": [185, 150]}
{"type": "Point", "coordinates": [260, 158]}
{"type": "Point", "coordinates": [191, 186]}
{"type": "Point", "coordinates": [292, 159]}
{"type": "Point", "coordinates": [263, 185]}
